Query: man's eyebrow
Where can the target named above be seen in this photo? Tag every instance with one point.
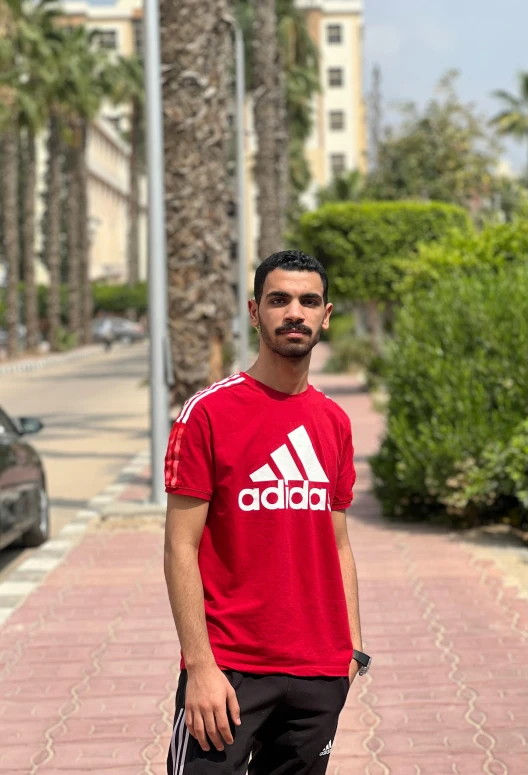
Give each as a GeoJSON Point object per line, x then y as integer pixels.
{"type": "Point", "coordinates": [286, 295]}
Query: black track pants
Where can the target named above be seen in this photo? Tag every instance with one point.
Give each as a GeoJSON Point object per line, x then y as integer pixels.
{"type": "Point", "coordinates": [288, 728]}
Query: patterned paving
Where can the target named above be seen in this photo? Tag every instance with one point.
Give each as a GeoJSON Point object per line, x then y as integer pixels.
{"type": "Point", "coordinates": [89, 662]}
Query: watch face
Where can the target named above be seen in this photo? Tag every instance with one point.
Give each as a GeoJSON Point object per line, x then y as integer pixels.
{"type": "Point", "coordinates": [364, 668]}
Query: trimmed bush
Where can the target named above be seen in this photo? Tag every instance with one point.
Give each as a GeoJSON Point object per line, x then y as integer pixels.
{"type": "Point", "coordinates": [360, 244]}
{"type": "Point", "coordinates": [494, 247]}
{"type": "Point", "coordinates": [118, 299]}
{"type": "Point", "coordinates": [457, 376]}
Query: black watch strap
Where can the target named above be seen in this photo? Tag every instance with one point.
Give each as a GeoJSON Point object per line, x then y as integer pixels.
{"type": "Point", "coordinates": [363, 659]}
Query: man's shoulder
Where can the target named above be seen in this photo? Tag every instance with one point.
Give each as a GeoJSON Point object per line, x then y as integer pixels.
{"type": "Point", "coordinates": [212, 398]}
{"type": "Point", "coordinates": [331, 408]}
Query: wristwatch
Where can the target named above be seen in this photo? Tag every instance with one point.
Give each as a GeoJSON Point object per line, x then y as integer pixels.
{"type": "Point", "coordinates": [363, 660]}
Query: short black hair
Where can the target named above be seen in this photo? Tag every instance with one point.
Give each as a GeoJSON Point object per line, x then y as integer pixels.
{"type": "Point", "coordinates": [293, 261]}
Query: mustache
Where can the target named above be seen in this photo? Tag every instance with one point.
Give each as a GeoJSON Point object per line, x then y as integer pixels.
{"type": "Point", "coordinates": [298, 329]}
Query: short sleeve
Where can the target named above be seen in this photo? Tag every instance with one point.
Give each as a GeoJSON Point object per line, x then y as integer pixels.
{"type": "Point", "coordinates": [189, 458]}
{"type": "Point", "coordinates": [346, 475]}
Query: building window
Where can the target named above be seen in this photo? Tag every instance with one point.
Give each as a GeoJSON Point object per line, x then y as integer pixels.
{"type": "Point", "coordinates": [138, 36]}
{"type": "Point", "coordinates": [334, 33]}
{"type": "Point", "coordinates": [107, 39]}
{"type": "Point", "coordinates": [335, 76]}
{"type": "Point", "coordinates": [337, 164]}
{"type": "Point", "coordinates": [337, 119]}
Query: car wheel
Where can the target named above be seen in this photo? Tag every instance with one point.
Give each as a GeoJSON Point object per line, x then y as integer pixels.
{"type": "Point", "coordinates": [39, 533]}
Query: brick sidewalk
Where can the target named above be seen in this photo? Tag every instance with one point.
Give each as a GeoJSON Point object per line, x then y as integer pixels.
{"type": "Point", "coordinates": [89, 663]}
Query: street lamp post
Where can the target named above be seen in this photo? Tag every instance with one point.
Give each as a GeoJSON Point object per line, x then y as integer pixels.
{"type": "Point", "coordinates": [157, 265]}
{"type": "Point", "coordinates": [241, 194]}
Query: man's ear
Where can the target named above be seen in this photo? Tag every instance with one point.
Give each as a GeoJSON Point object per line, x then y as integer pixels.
{"type": "Point", "coordinates": [253, 312]}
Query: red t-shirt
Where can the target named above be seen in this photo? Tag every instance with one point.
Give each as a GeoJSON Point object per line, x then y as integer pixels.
{"type": "Point", "coordinates": [273, 466]}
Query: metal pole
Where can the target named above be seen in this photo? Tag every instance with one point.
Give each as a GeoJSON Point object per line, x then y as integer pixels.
{"type": "Point", "coordinates": [157, 266]}
{"type": "Point", "coordinates": [241, 209]}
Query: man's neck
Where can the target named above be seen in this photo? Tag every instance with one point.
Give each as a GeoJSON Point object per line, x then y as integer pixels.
{"type": "Point", "coordinates": [286, 375]}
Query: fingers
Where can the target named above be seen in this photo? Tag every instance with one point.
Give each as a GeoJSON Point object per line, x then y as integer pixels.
{"type": "Point", "coordinates": [212, 731]}
{"type": "Point", "coordinates": [234, 707]}
{"type": "Point", "coordinates": [222, 724]}
{"type": "Point", "coordinates": [198, 731]}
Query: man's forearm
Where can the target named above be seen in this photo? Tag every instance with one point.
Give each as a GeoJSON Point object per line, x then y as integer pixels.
{"type": "Point", "coordinates": [350, 583]}
{"type": "Point", "coordinates": [184, 584]}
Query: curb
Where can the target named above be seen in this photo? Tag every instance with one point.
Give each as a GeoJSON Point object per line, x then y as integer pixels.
{"type": "Point", "coordinates": [30, 574]}
{"type": "Point", "coordinates": [49, 360]}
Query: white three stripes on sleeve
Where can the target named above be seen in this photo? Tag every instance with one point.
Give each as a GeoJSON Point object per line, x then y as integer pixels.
{"type": "Point", "coordinates": [191, 403]}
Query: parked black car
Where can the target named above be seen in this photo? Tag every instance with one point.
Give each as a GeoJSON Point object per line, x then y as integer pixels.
{"type": "Point", "coordinates": [24, 503]}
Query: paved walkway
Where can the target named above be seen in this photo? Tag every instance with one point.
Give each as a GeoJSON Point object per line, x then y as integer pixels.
{"type": "Point", "coordinates": [89, 663]}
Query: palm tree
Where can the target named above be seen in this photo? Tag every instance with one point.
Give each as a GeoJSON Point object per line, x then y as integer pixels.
{"type": "Point", "coordinates": [513, 119]}
{"type": "Point", "coordinates": [197, 56]}
{"type": "Point", "coordinates": [128, 88]}
{"type": "Point", "coordinates": [299, 81]}
{"type": "Point", "coordinates": [268, 95]}
{"type": "Point", "coordinates": [79, 87]}
{"type": "Point", "coordinates": [33, 27]}
{"type": "Point", "coordinates": [9, 82]}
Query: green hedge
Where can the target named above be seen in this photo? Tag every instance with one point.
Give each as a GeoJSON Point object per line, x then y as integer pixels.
{"type": "Point", "coordinates": [117, 299]}
{"type": "Point", "coordinates": [495, 246]}
{"type": "Point", "coordinates": [360, 244]}
{"type": "Point", "coordinates": [457, 376]}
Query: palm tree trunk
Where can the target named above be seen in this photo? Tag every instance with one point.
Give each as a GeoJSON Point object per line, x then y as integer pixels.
{"type": "Point", "coordinates": [282, 148]}
{"type": "Point", "coordinates": [133, 202]}
{"type": "Point", "coordinates": [267, 83]}
{"type": "Point", "coordinates": [197, 50]}
{"type": "Point", "coordinates": [30, 288]}
{"type": "Point", "coordinates": [72, 220]}
{"type": "Point", "coordinates": [84, 242]}
{"type": "Point", "coordinates": [11, 241]}
{"type": "Point", "coordinates": [53, 227]}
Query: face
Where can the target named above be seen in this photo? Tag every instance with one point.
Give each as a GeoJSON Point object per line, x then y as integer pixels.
{"type": "Point", "coordinates": [291, 313]}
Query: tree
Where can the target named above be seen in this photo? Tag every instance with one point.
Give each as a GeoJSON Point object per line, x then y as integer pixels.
{"type": "Point", "coordinates": [299, 62]}
{"type": "Point", "coordinates": [345, 188]}
{"type": "Point", "coordinates": [9, 81]}
{"type": "Point", "coordinates": [267, 84]}
{"type": "Point", "coordinates": [80, 84]}
{"type": "Point", "coordinates": [128, 88]}
{"type": "Point", "coordinates": [512, 120]}
{"type": "Point", "coordinates": [196, 45]}
{"type": "Point", "coordinates": [443, 152]}
{"type": "Point", "coordinates": [375, 116]}
{"type": "Point", "coordinates": [33, 28]}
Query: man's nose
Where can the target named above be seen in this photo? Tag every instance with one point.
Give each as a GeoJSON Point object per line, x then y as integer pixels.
{"type": "Point", "coordinates": [295, 311]}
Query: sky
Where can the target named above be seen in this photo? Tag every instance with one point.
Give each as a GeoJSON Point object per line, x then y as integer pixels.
{"type": "Point", "coordinates": [416, 41]}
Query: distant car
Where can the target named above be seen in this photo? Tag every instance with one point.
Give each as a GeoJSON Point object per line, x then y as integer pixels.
{"type": "Point", "coordinates": [122, 330]}
{"type": "Point", "coordinates": [24, 502]}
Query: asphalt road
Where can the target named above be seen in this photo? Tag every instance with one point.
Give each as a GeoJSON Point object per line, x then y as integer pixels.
{"type": "Point", "coordinates": [96, 417]}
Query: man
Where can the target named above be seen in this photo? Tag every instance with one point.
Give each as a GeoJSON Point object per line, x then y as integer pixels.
{"type": "Point", "coordinates": [259, 569]}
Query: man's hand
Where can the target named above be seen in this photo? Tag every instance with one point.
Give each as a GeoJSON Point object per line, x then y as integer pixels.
{"type": "Point", "coordinates": [353, 671]}
{"type": "Point", "coordinates": [208, 696]}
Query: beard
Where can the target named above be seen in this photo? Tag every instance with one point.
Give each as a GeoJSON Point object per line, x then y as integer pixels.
{"type": "Point", "coordinates": [290, 349]}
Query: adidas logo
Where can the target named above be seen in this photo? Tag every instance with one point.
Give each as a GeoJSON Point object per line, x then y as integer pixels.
{"type": "Point", "coordinates": [327, 750]}
{"type": "Point", "coordinates": [281, 495]}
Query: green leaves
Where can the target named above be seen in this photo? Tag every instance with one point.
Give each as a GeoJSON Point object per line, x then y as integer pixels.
{"type": "Point", "coordinates": [363, 245]}
{"type": "Point", "coordinates": [457, 375]}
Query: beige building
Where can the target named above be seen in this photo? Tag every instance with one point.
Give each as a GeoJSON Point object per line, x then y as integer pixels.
{"type": "Point", "coordinates": [338, 141]}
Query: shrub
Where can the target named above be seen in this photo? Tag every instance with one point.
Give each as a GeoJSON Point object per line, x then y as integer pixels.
{"type": "Point", "coordinates": [119, 299]}
{"type": "Point", "coordinates": [457, 376]}
{"type": "Point", "coordinates": [494, 247]}
{"type": "Point", "coordinates": [359, 243]}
